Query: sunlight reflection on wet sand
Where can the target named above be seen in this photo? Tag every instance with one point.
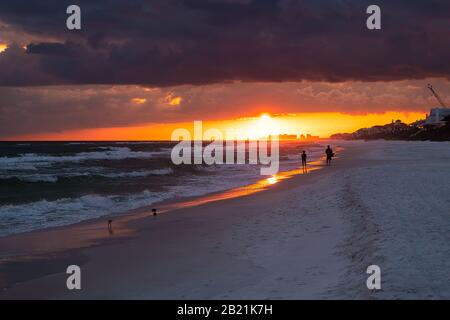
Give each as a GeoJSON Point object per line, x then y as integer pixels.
{"type": "Point", "coordinates": [243, 191]}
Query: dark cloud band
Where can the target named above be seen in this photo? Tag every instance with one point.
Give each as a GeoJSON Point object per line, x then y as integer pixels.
{"type": "Point", "coordinates": [168, 42]}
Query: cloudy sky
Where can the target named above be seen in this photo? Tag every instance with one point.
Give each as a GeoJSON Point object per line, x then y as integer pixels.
{"type": "Point", "coordinates": [145, 62]}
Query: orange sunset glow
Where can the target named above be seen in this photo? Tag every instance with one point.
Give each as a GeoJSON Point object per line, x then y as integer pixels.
{"type": "Point", "coordinates": [3, 47]}
{"type": "Point", "coordinates": [321, 124]}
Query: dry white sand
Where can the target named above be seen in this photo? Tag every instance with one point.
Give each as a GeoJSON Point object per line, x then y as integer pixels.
{"type": "Point", "coordinates": [311, 236]}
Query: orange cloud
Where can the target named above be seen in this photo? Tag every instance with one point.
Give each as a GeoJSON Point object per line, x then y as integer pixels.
{"type": "Point", "coordinates": [139, 100]}
{"type": "Point", "coordinates": [173, 100]}
{"type": "Point", "coordinates": [3, 47]}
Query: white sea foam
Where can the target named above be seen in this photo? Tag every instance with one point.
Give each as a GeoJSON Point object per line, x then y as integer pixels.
{"type": "Point", "coordinates": [141, 173]}
{"type": "Point", "coordinates": [55, 177]}
{"type": "Point", "coordinates": [32, 160]}
{"type": "Point", "coordinates": [43, 213]}
{"type": "Point", "coordinates": [37, 178]}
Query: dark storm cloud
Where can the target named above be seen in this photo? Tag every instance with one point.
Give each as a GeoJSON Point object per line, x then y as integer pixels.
{"type": "Point", "coordinates": [168, 42]}
{"type": "Point", "coordinates": [58, 49]}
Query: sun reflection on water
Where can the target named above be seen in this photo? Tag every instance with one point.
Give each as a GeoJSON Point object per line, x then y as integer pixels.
{"type": "Point", "coordinates": [272, 180]}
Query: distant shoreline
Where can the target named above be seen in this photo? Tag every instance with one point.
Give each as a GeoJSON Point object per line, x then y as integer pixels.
{"type": "Point", "coordinates": [399, 131]}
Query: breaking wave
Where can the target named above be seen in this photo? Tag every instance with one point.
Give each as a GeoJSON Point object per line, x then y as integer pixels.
{"type": "Point", "coordinates": [30, 161]}
{"type": "Point", "coordinates": [52, 178]}
{"type": "Point", "coordinates": [34, 215]}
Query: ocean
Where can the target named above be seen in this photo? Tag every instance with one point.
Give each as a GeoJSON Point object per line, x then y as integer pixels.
{"type": "Point", "coordinates": [49, 184]}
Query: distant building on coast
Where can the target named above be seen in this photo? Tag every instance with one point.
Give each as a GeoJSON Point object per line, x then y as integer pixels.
{"type": "Point", "coordinates": [301, 137]}
{"type": "Point", "coordinates": [287, 137]}
{"type": "Point", "coordinates": [310, 137]}
{"type": "Point", "coordinates": [435, 127]}
{"type": "Point", "coordinates": [395, 128]}
{"type": "Point", "coordinates": [437, 116]}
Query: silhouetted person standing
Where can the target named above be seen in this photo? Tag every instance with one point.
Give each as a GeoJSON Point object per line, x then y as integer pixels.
{"type": "Point", "coordinates": [304, 157]}
{"type": "Point", "coordinates": [330, 154]}
{"type": "Point", "coordinates": [110, 229]}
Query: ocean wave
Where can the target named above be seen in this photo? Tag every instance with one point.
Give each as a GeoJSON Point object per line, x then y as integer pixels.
{"type": "Point", "coordinates": [52, 178]}
{"type": "Point", "coordinates": [35, 215]}
{"type": "Point", "coordinates": [79, 143]}
{"type": "Point", "coordinates": [142, 173]}
{"type": "Point", "coordinates": [35, 178]}
{"type": "Point", "coordinates": [32, 160]}
{"type": "Point", "coordinates": [18, 218]}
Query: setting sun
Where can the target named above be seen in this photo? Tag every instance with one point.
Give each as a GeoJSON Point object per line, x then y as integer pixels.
{"type": "Point", "coordinates": [261, 127]}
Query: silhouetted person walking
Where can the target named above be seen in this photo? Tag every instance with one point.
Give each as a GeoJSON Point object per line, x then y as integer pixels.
{"type": "Point", "coordinates": [330, 154]}
{"type": "Point", "coordinates": [110, 229]}
{"type": "Point", "coordinates": [304, 157]}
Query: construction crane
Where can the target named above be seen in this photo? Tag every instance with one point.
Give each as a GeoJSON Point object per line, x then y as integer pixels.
{"type": "Point", "coordinates": [437, 96]}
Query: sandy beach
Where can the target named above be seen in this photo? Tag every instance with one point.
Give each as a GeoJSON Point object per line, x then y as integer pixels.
{"type": "Point", "coordinates": [307, 237]}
